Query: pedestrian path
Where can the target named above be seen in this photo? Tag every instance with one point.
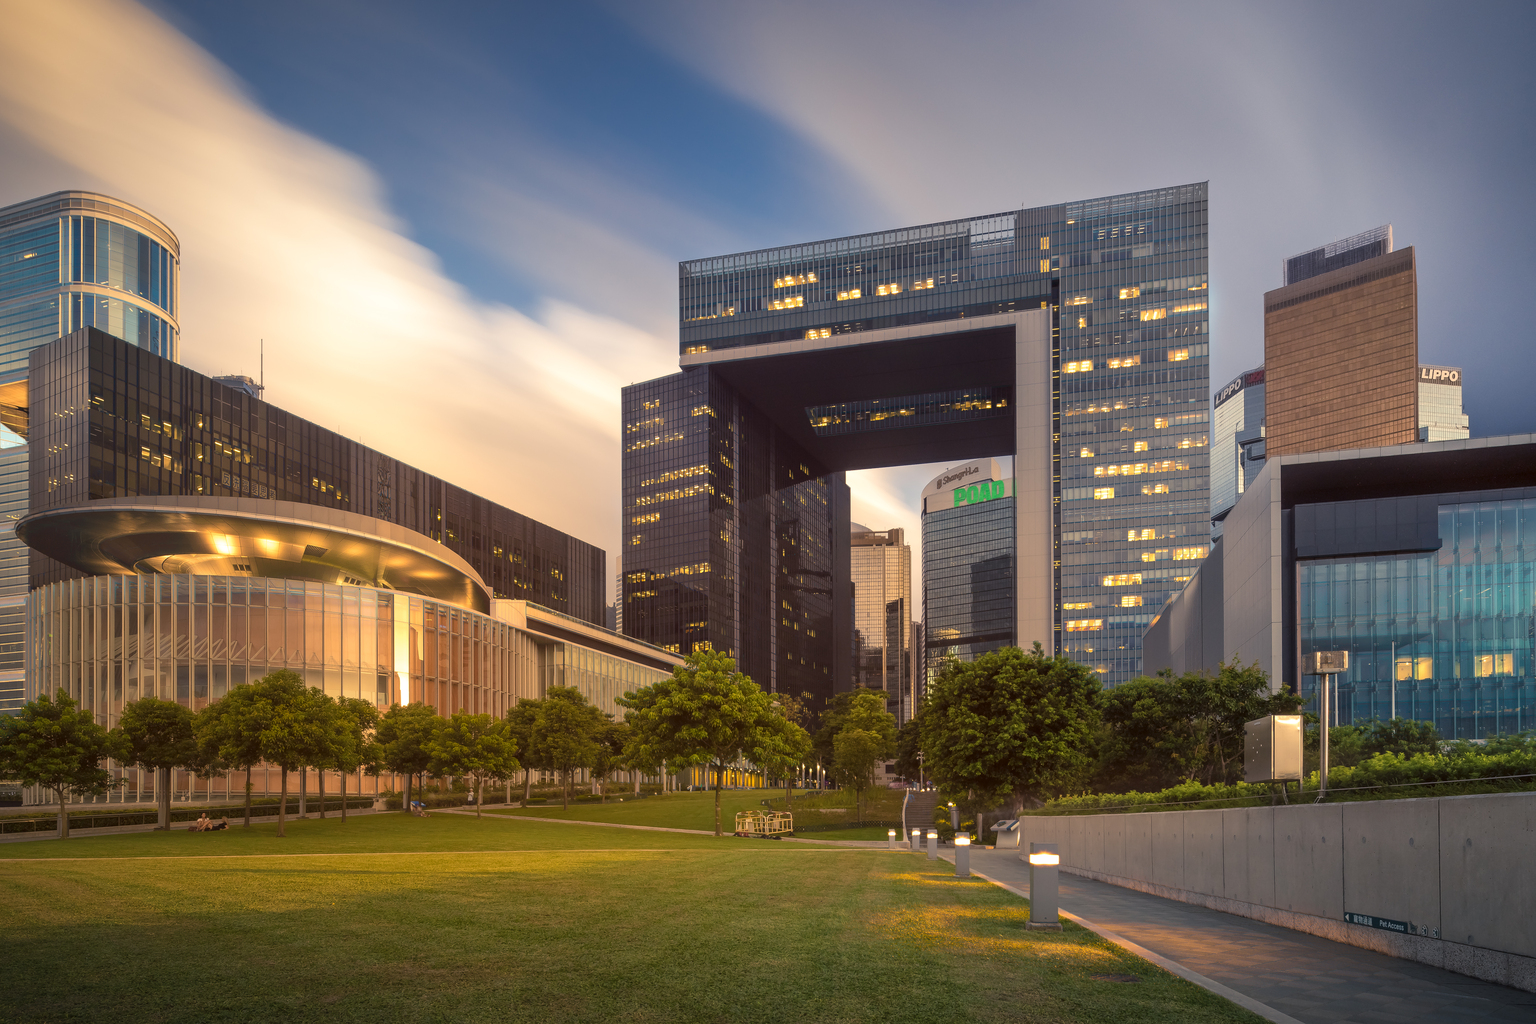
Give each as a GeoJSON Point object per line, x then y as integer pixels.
{"type": "Point", "coordinates": [1310, 979]}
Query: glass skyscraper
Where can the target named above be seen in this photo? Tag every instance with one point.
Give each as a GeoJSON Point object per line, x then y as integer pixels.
{"type": "Point", "coordinates": [968, 570]}
{"type": "Point", "coordinates": [1237, 442]}
{"type": "Point", "coordinates": [881, 563]}
{"type": "Point", "coordinates": [67, 260]}
{"type": "Point", "coordinates": [1124, 281]}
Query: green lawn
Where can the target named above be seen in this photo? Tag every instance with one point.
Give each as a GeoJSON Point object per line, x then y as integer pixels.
{"type": "Point", "coordinates": [453, 919]}
{"type": "Point", "coordinates": [674, 810]}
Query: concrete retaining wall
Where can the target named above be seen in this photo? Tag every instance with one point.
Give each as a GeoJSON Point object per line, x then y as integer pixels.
{"type": "Point", "coordinates": [1453, 879]}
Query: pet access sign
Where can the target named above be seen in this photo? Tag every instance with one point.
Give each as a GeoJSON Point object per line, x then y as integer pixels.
{"type": "Point", "coordinates": [1389, 925]}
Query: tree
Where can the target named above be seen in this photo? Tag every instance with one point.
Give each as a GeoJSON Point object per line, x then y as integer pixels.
{"type": "Point", "coordinates": [566, 733]}
{"type": "Point", "coordinates": [706, 714]}
{"type": "Point", "coordinates": [909, 750]}
{"type": "Point", "coordinates": [611, 740]}
{"type": "Point", "coordinates": [1009, 726]}
{"type": "Point", "coordinates": [479, 747]}
{"type": "Point", "coordinates": [301, 729]}
{"type": "Point", "coordinates": [795, 748]}
{"type": "Point", "coordinates": [866, 735]}
{"type": "Point", "coordinates": [156, 735]}
{"type": "Point", "coordinates": [831, 722]}
{"type": "Point", "coordinates": [404, 737]}
{"type": "Point", "coordinates": [56, 744]}
{"type": "Point", "coordinates": [230, 730]}
{"type": "Point", "coordinates": [358, 718]}
{"type": "Point", "coordinates": [523, 719]}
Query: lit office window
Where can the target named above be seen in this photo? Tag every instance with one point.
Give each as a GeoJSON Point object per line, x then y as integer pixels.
{"type": "Point", "coordinates": [1131, 601]}
{"type": "Point", "coordinates": [1100, 493]}
{"type": "Point", "coordinates": [1123, 579]}
{"type": "Point", "coordinates": [1154, 314]}
{"type": "Point", "coordinates": [1084, 625]}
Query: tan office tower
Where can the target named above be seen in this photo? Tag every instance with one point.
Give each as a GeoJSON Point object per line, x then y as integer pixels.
{"type": "Point", "coordinates": [882, 615]}
{"type": "Point", "coordinates": [1341, 348]}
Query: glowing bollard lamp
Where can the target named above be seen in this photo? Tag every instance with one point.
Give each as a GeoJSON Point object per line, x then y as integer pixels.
{"type": "Point", "coordinates": [1043, 861]}
{"type": "Point", "coordinates": [962, 855]}
{"type": "Point", "coordinates": [933, 844]}
{"type": "Point", "coordinates": [917, 840]}
{"type": "Point", "coordinates": [890, 838]}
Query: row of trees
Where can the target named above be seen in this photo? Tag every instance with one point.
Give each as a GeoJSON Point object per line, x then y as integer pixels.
{"type": "Point", "coordinates": [1014, 727]}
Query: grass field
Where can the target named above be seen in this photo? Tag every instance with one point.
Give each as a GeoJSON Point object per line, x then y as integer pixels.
{"type": "Point", "coordinates": [393, 918]}
{"type": "Point", "coordinates": [697, 810]}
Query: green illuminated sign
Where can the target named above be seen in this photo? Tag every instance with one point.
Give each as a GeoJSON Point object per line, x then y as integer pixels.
{"type": "Point", "coordinates": [987, 490]}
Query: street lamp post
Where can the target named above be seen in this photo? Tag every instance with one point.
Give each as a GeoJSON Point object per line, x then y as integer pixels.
{"type": "Point", "coordinates": [1043, 861]}
{"type": "Point", "coordinates": [962, 856]}
{"type": "Point", "coordinates": [1326, 665]}
{"type": "Point", "coordinates": [933, 844]}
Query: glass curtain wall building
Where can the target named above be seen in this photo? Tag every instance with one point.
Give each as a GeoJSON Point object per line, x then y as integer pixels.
{"type": "Point", "coordinates": [68, 260]}
{"type": "Point", "coordinates": [968, 564]}
{"type": "Point", "coordinates": [1125, 278]}
{"type": "Point", "coordinates": [882, 615]}
{"type": "Point", "coordinates": [1237, 442]}
{"type": "Point", "coordinates": [1440, 410]}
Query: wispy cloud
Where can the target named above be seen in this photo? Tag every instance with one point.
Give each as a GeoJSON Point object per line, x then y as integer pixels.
{"type": "Point", "coordinates": [289, 239]}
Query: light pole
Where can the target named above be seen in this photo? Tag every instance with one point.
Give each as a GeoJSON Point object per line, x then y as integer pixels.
{"type": "Point", "coordinates": [1043, 861]}
{"type": "Point", "coordinates": [1325, 665]}
{"type": "Point", "coordinates": [962, 856]}
{"type": "Point", "coordinates": [933, 844]}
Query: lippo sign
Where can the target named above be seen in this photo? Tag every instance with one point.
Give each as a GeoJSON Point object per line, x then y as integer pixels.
{"type": "Point", "coordinates": [1440, 375]}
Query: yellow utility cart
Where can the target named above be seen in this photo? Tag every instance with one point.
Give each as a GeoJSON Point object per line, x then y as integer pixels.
{"type": "Point", "coordinates": [764, 824]}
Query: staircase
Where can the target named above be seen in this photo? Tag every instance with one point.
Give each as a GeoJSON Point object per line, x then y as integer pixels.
{"type": "Point", "coordinates": [917, 810]}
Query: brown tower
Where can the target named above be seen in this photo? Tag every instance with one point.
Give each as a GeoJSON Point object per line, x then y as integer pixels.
{"type": "Point", "coordinates": [1341, 353]}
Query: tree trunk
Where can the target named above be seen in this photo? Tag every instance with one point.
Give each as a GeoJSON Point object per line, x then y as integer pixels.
{"type": "Point", "coordinates": [634, 776]}
{"type": "Point", "coordinates": [477, 795]}
{"type": "Point", "coordinates": [789, 792]}
{"type": "Point", "coordinates": [344, 795]}
{"type": "Point", "coordinates": [405, 801]}
{"type": "Point", "coordinates": [527, 784]}
{"type": "Point", "coordinates": [163, 800]}
{"type": "Point", "coordinates": [63, 814]}
{"type": "Point", "coordinates": [718, 776]}
{"type": "Point", "coordinates": [304, 792]}
{"type": "Point", "coordinates": [320, 774]}
{"type": "Point", "coordinates": [565, 791]}
{"type": "Point", "coordinates": [282, 806]}
{"type": "Point", "coordinates": [248, 796]}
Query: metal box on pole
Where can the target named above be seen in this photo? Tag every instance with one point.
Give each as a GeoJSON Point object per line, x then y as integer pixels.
{"type": "Point", "coordinates": [1272, 749]}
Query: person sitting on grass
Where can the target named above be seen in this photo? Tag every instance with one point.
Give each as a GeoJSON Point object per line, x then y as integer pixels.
{"type": "Point", "coordinates": [218, 826]}
{"type": "Point", "coordinates": [202, 824]}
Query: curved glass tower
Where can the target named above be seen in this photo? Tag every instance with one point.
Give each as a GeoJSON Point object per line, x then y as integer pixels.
{"type": "Point", "coordinates": [68, 260]}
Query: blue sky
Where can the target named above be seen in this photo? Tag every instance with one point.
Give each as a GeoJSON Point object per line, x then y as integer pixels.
{"type": "Point", "coordinates": [456, 225]}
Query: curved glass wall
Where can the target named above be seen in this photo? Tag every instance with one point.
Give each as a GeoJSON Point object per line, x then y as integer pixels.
{"type": "Point", "coordinates": [1445, 637]}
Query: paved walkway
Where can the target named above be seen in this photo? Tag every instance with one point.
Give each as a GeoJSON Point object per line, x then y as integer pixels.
{"type": "Point", "coordinates": [1311, 979]}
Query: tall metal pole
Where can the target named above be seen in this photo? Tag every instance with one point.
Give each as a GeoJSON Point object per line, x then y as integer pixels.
{"type": "Point", "coordinates": [1392, 679]}
{"type": "Point", "coordinates": [1322, 714]}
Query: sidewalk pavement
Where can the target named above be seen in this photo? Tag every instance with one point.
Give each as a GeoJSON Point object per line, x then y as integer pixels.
{"type": "Point", "coordinates": [1311, 979]}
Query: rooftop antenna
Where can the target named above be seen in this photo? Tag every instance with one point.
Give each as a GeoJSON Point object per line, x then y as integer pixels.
{"type": "Point", "coordinates": [261, 385]}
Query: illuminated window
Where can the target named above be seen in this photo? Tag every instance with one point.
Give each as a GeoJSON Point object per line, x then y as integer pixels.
{"type": "Point", "coordinates": [1100, 493]}
{"type": "Point", "coordinates": [1076, 606]}
{"type": "Point", "coordinates": [1084, 625]}
{"type": "Point", "coordinates": [788, 302]}
{"type": "Point", "coordinates": [790, 280]}
{"type": "Point", "coordinates": [1177, 355]}
{"type": "Point", "coordinates": [1149, 556]}
{"type": "Point", "coordinates": [1119, 361]}
{"type": "Point", "coordinates": [1154, 489]}
{"type": "Point", "coordinates": [1139, 446]}
{"type": "Point", "coordinates": [1082, 321]}
{"type": "Point", "coordinates": [1160, 422]}
{"type": "Point", "coordinates": [818, 332]}
{"type": "Point", "coordinates": [1130, 293]}
{"type": "Point", "coordinates": [1123, 579]}
{"type": "Point", "coordinates": [920, 285]}
{"type": "Point", "coordinates": [1197, 287]}
{"type": "Point", "coordinates": [1045, 243]}
{"type": "Point", "coordinates": [1184, 554]}
{"type": "Point", "coordinates": [1131, 601]}
{"type": "Point", "coordinates": [888, 289]}
{"type": "Point", "coordinates": [1079, 300]}
{"type": "Point", "coordinates": [1045, 266]}
{"type": "Point", "coordinates": [1191, 307]}
{"type": "Point", "coordinates": [1415, 668]}
{"type": "Point", "coordinates": [1142, 534]}
{"type": "Point", "coordinates": [1078, 366]}
{"type": "Point", "coordinates": [852, 293]}
{"type": "Point", "coordinates": [1153, 314]}
{"type": "Point", "coordinates": [1493, 665]}
{"type": "Point", "coordinates": [1086, 453]}
{"type": "Point", "coordinates": [651, 518]}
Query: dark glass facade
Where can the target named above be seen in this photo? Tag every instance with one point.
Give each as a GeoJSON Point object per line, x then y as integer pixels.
{"type": "Point", "coordinates": [1444, 637]}
{"type": "Point", "coordinates": [111, 420]}
{"type": "Point", "coordinates": [968, 582]}
{"type": "Point", "coordinates": [1126, 280]}
{"type": "Point", "coordinates": [733, 539]}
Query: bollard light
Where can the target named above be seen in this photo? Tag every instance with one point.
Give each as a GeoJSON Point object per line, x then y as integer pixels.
{"type": "Point", "coordinates": [917, 840]}
{"type": "Point", "coordinates": [933, 844]}
{"type": "Point", "coordinates": [962, 856]}
{"type": "Point", "coordinates": [1043, 861]}
{"type": "Point", "coordinates": [890, 838]}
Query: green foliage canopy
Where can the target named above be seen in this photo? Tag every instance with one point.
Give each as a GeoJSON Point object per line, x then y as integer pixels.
{"type": "Point", "coordinates": [56, 744]}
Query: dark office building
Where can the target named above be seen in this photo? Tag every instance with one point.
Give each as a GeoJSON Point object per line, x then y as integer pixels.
{"type": "Point", "coordinates": [968, 575]}
{"type": "Point", "coordinates": [1073, 337]}
{"type": "Point", "coordinates": [109, 420]}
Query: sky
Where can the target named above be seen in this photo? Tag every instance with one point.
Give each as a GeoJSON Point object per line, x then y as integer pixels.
{"type": "Point", "coordinates": [455, 226]}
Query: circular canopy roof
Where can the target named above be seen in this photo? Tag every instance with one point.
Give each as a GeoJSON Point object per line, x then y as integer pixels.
{"type": "Point", "coordinates": [251, 537]}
